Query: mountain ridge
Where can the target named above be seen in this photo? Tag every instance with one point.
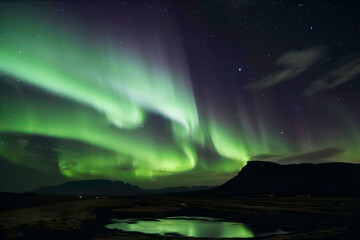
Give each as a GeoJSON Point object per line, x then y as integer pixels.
{"type": "Point", "coordinates": [256, 179]}
{"type": "Point", "coordinates": [261, 178]}
{"type": "Point", "coordinates": [108, 188]}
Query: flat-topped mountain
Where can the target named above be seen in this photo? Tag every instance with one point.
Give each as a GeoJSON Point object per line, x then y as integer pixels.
{"type": "Point", "coordinates": [266, 179]}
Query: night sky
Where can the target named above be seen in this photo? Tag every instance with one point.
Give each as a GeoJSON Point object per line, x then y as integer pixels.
{"type": "Point", "coordinates": [174, 93]}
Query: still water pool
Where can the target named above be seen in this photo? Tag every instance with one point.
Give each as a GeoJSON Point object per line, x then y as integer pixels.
{"type": "Point", "coordinates": [187, 226]}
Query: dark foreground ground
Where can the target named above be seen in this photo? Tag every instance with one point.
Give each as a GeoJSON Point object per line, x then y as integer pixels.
{"type": "Point", "coordinates": [73, 218]}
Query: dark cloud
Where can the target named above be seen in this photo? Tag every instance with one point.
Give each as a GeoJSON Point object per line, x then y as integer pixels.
{"type": "Point", "coordinates": [263, 157]}
{"type": "Point", "coordinates": [314, 156]}
{"type": "Point", "coordinates": [322, 155]}
{"type": "Point", "coordinates": [17, 178]}
{"type": "Point", "coordinates": [293, 64]}
{"type": "Point", "coordinates": [346, 72]}
{"type": "Point", "coordinates": [126, 168]}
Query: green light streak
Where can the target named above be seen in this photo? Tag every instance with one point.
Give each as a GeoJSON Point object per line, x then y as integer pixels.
{"type": "Point", "coordinates": [112, 80]}
{"type": "Point", "coordinates": [87, 126]}
{"type": "Point", "coordinates": [227, 144]}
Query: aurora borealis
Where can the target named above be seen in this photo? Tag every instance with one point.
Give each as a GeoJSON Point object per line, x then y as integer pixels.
{"type": "Point", "coordinates": [151, 93]}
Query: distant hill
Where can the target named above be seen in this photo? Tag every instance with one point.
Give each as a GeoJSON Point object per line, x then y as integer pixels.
{"type": "Point", "coordinates": [270, 179]}
{"type": "Point", "coordinates": [91, 187]}
{"type": "Point", "coordinates": [107, 188]}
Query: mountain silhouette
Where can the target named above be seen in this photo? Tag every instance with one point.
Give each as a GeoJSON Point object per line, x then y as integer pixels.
{"type": "Point", "coordinates": [259, 178]}
{"type": "Point", "coordinates": [108, 188]}
{"type": "Point", "coordinates": [256, 179]}
{"type": "Point", "coordinates": [91, 187]}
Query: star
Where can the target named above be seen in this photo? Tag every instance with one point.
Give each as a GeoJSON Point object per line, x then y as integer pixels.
{"type": "Point", "coordinates": [240, 69]}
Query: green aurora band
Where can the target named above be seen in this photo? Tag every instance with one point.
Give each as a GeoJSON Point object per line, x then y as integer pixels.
{"type": "Point", "coordinates": [104, 96]}
{"type": "Point", "coordinates": [120, 85]}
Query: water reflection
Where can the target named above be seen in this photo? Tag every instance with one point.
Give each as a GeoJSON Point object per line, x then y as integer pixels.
{"type": "Point", "coordinates": [185, 226]}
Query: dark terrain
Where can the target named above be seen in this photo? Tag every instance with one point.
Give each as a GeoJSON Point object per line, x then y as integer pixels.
{"type": "Point", "coordinates": [305, 218]}
{"type": "Point", "coordinates": [288, 201]}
